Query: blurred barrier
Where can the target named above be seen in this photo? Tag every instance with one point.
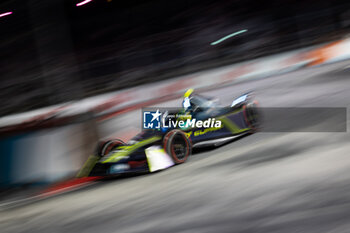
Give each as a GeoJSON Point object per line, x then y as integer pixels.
{"type": "Point", "coordinates": [332, 52]}
{"type": "Point", "coordinates": [46, 155]}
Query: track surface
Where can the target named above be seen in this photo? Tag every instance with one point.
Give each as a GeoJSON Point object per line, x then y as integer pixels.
{"type": "Point", "coordinates": [266, 182]}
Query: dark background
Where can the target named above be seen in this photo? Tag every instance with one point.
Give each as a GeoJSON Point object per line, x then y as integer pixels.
{"type": "Point", "coordinates": [52, 51]}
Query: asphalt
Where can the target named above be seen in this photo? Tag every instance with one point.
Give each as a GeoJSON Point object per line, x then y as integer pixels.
{"type": "Point", "coordinates": [265, 182]}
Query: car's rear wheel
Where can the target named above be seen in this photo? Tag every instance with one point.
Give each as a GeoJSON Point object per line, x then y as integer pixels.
{"type": "Point", "coordinates": [251, 115]}
{"type": "Point", "coordinates": [105, 147]}
{"type": "Point", "coordinates": [177, 145]}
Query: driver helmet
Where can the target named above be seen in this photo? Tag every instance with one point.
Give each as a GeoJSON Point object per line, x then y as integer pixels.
{"type": "Point", "coordinates": [186, 103]}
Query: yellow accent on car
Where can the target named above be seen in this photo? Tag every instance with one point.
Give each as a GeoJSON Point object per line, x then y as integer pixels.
{"type": "Point", "coordinates": [126, 150]}
{"type": "Point", "coordinates": [188, 93]}
{"type": "Point", "coordinates": [188, 134]}
{"type": "Point", "coordinates": [232, 126]}
{"type": "Point", "coordinates": [204, 131]}
{"type": "Point", "coordinates": [88, 166]}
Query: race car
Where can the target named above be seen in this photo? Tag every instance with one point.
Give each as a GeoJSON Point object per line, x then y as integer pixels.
{"type": "Point", "coordinates": [200, 122]}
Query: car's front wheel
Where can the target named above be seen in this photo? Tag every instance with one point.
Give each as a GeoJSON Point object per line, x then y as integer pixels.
{"type": "Point", "coordinates": [177, 145]}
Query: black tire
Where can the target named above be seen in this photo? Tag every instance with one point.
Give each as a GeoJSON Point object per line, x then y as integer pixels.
{"type": "Point", "coordinates": [104, 147]}
{"type": "Point", "coordinates": [251, 115]}
{"type": "Point", "coordinates": [177, 145]}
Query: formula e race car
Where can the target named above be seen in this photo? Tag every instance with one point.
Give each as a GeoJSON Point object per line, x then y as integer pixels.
{"type": "Point", "coordinates": [200, 122]}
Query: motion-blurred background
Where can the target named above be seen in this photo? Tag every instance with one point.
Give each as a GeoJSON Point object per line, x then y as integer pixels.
{"type": "Point", "coordinates": [53, 51]}
{"type": "Point", "coordinates": [76, 71]}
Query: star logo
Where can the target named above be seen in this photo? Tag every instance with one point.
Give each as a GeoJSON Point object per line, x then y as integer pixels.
{"type": "Point", "coordinates": [156, 115]}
